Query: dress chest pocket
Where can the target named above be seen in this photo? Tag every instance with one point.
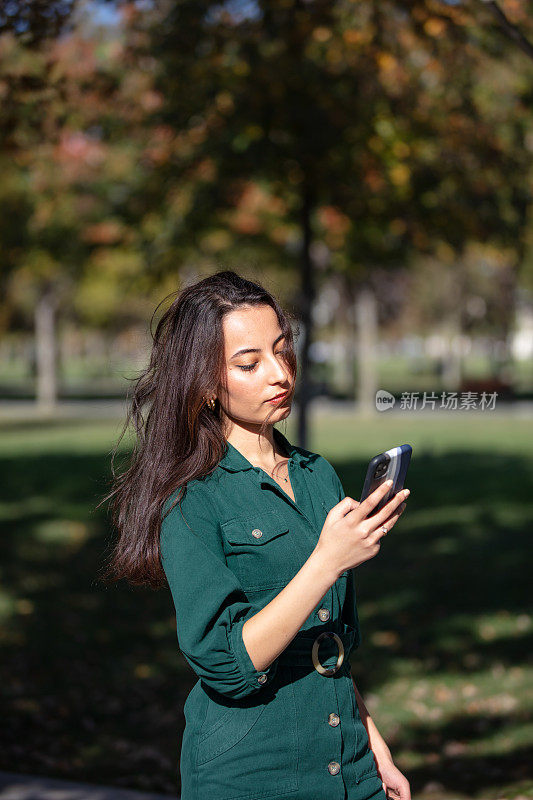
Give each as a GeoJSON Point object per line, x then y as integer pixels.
{"type": "Point", "coordinates": [260, 550]}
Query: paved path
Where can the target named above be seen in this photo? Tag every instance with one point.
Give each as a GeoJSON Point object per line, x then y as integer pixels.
{"type": "Point", "coordinates": [34, 787]}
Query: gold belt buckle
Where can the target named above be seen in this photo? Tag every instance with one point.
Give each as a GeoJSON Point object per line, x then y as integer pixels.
{"type": "Point", "coordinates": [314, 653]}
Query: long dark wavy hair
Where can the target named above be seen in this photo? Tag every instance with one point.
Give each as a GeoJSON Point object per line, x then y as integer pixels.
{"type": "Point", "coordinates": [178, 436]}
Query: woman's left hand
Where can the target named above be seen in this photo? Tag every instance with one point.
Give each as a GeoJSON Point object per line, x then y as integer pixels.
{"type": "Point", "coordinates": [395, 784]}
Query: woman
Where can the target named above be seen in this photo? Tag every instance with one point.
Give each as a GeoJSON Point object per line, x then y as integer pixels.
{"type": "Point", "coordinates": [258, 544]}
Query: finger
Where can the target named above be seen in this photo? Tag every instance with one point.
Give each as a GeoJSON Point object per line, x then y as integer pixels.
{"type": "Point", "coordinates": [404, 790]}
{"type": "Point", "coordinates": [392, 520]}
{"type": "Point", "coordinates": [373, 499]}
{"type": "Point", "coordinates": [394, 515]}
{"type": "Point", "coordinates": [384, 513]}
{"type": "Point", "coordinates": [388, 523]}
{"type": "Point", "coordinates": [340, 510]}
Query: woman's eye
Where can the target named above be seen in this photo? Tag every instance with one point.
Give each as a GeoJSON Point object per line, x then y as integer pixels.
{"type": "Point", "coordinates": [251, 367]}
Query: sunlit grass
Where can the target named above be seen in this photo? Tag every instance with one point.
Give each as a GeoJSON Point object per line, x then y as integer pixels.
{"type": "Point", "coordinates": [93, 673]}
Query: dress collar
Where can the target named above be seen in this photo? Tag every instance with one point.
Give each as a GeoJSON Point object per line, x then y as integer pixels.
{"type": "Point", "coordinates": [234, 461]}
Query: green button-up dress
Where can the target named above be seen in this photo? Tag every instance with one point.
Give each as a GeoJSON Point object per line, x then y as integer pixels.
{"type": "Point", "coordinates": [289, 731]}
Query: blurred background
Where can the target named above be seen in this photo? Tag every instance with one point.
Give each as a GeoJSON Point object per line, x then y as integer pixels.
{"type": "Point", "coordinates": [371, 164]}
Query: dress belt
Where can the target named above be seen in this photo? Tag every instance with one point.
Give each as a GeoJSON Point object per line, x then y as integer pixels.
{"type": "Point", "coordinates": [326, 652]}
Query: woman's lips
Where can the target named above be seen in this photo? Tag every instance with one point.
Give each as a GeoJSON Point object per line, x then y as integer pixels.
{"type": "Point", "coordinates": [278, 398]}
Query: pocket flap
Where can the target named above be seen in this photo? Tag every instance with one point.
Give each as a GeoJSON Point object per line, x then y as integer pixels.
{"type": "Point", "coordinates": [255, 530]}
{"type": "Point", "coordinates": [237, 722]}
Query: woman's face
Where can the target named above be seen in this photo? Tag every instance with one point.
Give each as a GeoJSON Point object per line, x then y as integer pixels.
{"type": "Point", "coordinates": [256, 376]}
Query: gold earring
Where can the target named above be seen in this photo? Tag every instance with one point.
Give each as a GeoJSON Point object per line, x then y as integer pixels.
{"type": "Point", "coordinates": [211, 403]}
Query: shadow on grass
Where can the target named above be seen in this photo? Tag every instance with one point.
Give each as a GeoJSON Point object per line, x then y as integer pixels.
{"type": "Point", "coordinates": [460, 771]}
{"type": "Point", "coordinates": [93, 682]}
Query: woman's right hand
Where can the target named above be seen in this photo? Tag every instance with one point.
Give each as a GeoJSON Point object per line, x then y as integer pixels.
{"type": "Point", "coordinates": [348, 538]}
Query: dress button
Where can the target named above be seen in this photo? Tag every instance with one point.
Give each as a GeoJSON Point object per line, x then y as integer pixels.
{"type": "Point", "coordinates": [257, 533]}
{"type": "Point", "coordinates": [334, 767]}
{"type": "Point", "coordinates": [323, 614]}
{"type": "Point", "coordinates": [262, 679]}
{"type": "Point", "coordinates": [334, 720]}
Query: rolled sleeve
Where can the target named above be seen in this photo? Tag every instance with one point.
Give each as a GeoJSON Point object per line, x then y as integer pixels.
{"type": "Point", "coordinates": [254, 678]}
{"type": "Point", "coordinates": [210, 603]}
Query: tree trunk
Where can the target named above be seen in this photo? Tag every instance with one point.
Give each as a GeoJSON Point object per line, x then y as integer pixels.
{"type": "Point", "coordinates": [46, 350]}
{"type": "Point", "coordinates": [452, 372]}
{"type": "Point", "coordinates": [307, 296]}
{"type": "Point", "coordinates": [367, 336]}
{"type": "Point", "coordinates": [345, 341]}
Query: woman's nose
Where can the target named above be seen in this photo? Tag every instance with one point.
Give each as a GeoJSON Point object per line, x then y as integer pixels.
{"type": "Point", "coordinates": [277, 371]}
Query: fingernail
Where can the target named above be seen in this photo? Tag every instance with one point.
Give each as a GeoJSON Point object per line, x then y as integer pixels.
{"type": "Point", "coordinates": [407, 492]}
{"type": "Point", "coordinates": [388, 483]}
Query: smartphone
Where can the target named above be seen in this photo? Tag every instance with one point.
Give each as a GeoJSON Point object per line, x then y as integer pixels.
{"type": "Point", "coordinates": [391, 464]}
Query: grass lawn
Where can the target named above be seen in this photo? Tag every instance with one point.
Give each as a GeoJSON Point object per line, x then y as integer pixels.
{"type": "Point", "coordinates": [93, 683]}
